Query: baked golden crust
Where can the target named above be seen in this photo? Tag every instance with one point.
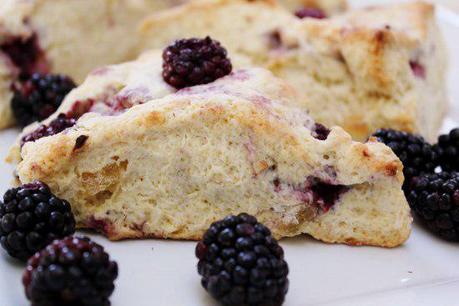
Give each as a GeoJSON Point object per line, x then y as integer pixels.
{"type": "Point", "coordinates": [169, 167]}
{"type": "Point", "coordinates": [363, 70]}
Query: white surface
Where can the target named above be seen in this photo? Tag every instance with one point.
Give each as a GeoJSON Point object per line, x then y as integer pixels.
{"type": "Point", "coordinates": [424, 271]}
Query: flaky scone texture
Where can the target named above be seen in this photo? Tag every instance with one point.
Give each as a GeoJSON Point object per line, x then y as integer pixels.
{"type": "Point", "coordinates": [170, 167]}
{"type": "Point", "coordinates": [72, 36]}
{"type": "Point", "coordinates": [381, 67]}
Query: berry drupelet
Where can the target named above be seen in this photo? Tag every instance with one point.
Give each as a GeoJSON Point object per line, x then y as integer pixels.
{"type": "Point", "coordinates": [31, 217]}
{"type": "Point", "coordinates": [435, 200]}
{"type": "Point", "coordinates": [56, 126]}
{"type": "Point", "coordinates": [241, 263]}
{"type": "Point", "coordinates": [39, 96]}
{"type": "Point", "coordinates": [194, 61]}
{"type": "Point", "coordinates": [448, 150]}
{"type": "Point", "coordinates": [417, 155]}
{"type": "Point", "coordinates": [73, 271]}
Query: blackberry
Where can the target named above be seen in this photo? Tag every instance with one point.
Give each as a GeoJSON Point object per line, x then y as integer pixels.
{"type": "Point", "coordinates": [73, 271]}
{"type": "Point", "coordinates": [31, 217]}
{"type": "Point", "coordinates": [435, 200]}
{"type": "Point", "coordinates": [194, 61]}
{"type": "Point", "coordinates": [310, 12]}
{"type": "Point", "coordinates": [39, 96]}
{"type": "Point", "coordinates": [25, 54]}
{"type": "Point", "coordinates": [448, 150]}
{"type": "Point", "coordinates": [241, 263]}
{"type": "Point", "coordinates": [56, 126]}
{"type": "Point", "coordinates": [417, 155]}
{"type": "Point", "coordinates": [320, 131]}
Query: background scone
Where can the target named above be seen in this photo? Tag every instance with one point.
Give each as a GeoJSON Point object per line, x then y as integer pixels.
{"type": "Point", "coordinates": [169, 167]}
{"type": "Point", "coordinates": [363, 70]}
{"type": "Point", "coordinates": [69, 37]}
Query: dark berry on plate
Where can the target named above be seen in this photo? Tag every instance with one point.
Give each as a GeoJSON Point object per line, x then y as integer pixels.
{"type": "Point", "coordinates": [310, 12]}
{"type": "Point", "coordinates": [194, 61]}
{"type": "Point", "coordinates": [39, 96]}
{"type": "Point", "coordinates": [434, 198]}
{"type": "Point", "coordinates": [71, 271]}
{"type": "Point", "coordinates": [241, 263]}
{"type": "Point", "coordinates": [31, 217]}
{"type": "Point", "coordinates": [417, 155]}
{"type": "Point", "coordinates": [448, 150]}
{"type": "Point", "coordinates": [56, 126]}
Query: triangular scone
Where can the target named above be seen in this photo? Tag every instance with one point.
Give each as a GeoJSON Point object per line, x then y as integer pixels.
{"type": "Point", "coordinates": [363, 70]}
{"type": "Point", "coordinates": [69, 37]}
{"type": "Point", "coordinates": [170, 167]}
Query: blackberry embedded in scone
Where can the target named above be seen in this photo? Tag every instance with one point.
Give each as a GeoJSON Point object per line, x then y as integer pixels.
{"type": "Point", "coordinates": [194, 61]}
{"type": "Point", "coordinates": [327, 8]}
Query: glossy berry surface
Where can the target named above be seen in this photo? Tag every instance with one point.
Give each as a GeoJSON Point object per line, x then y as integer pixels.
{"type": "Point", "coordinates": [434, 198]}
{"type": "Point", "coordinates": [241, 263]}
{"type": "Point", "coordinates": [73, 271]}
{"type": "Point", "coordinates": [56, 126]}
{"type": "Point", "coordinates": [417, 155]}
{"type": "Point", "coordinates": [448, 150]}
{"type": "Point", "coordinates": [194, 61]}
{"type": "Point", "coordinates": [31, 217]}
{"type": "Point", "coordinates": [39, 96]}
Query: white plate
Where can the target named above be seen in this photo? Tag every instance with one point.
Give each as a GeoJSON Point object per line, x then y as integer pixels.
{"type": "Point", "coordinates": [424, 271]}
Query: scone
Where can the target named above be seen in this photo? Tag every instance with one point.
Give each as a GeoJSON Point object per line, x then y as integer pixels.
{"type": "Point", "coordinates": [169, 167]}
{"type": "Point", "coordinates": [69, 37]}
{"type": "Point", "coordinates": [381, 67]}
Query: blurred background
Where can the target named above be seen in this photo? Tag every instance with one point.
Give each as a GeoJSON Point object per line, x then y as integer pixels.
{"type": "Point", "coordinates": [452, 4]}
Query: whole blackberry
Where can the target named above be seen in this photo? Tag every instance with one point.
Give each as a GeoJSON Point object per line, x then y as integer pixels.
{"type": "Point", "coordinates": [241, 263]}
{"type": "Point", "coordinates": [56, 126]}
{"type": "Point", "coordinates": [417, 155]}
{"type": "Point", "coordinates": [435, 200]}
{"type": "Point", "coordinates": [194, 61]}
{"type": "Point", "coordinates": [37, 97]}
{"type": "Point", "coordinates": [31, 217]}
{"type": "Point", "coordinates": [448, 150]}
{"type": "Point", "coordinates": [73, 271]}
{"type": "Point", "coordinates": [310, 12]}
